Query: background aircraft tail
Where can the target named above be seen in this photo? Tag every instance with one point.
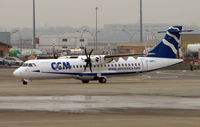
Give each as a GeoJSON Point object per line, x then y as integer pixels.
{"type": "Point", "coordinates": [168, 47]}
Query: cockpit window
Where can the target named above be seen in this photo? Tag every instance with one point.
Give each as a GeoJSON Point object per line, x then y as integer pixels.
{"type": "Point", "coordinates": [25, 65]}
{"type": "Point", "coordinates": [29, 65]}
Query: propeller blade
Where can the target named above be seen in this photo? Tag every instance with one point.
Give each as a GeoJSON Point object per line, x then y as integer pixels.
{"type": "Point", "coordinates": [86, 53]}
{"type": "Point", "coordinates": [90, 53]}
{"type": "Point", "coordinates": [90, 64]}
{"type": "Point", "coordinates": [88, 60]}
{"type": "Point", "coordinates": [87, 64]}
{"type": "Point", "coordinates": [85, 68]}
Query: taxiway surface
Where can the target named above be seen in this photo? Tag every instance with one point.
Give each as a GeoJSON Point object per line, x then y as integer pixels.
{"type": "Point", "coordinates": [155, 99]}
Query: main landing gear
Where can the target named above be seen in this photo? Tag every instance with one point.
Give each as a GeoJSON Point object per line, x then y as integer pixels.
{"type": "Point", "coordinates": [100, 79]}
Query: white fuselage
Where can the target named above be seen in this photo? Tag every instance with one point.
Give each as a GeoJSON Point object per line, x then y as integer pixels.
{"type": "Point", "coordinates": [74, 67]}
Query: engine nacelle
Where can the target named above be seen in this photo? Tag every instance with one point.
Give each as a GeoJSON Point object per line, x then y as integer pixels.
{"type": "Point", "coordinates": [100, 59]}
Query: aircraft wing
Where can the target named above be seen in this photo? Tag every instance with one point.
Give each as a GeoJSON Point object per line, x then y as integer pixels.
{"type": "Point", "coordinates": [124, 56]}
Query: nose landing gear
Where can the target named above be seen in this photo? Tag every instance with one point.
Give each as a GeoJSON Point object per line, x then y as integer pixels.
{"type": "Point", "coordinates": [24, 82]}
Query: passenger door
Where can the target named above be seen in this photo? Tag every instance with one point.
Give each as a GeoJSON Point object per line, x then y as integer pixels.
{"type": "Point", "coordinates": [144, 64]}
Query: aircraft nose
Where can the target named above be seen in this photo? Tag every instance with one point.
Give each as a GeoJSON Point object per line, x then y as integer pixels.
{"type": "Point", "coordinates": [17, 73]}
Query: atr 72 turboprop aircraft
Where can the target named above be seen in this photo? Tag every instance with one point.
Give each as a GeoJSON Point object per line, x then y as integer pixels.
{"type": "Point", "coordinates": [100, 67]}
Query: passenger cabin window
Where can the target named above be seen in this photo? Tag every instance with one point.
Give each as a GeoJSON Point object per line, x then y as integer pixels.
{"type": "Point", "coordinates": [82, 40]}
{"type": "Point", "coordinates": [64, 40]}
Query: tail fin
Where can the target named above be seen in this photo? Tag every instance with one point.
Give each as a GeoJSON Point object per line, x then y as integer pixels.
{"type": "Point", "coordinates": [168, 47]}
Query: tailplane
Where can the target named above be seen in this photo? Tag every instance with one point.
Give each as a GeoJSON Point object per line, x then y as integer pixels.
{"type": "Point", "coordinates": [168, 47]}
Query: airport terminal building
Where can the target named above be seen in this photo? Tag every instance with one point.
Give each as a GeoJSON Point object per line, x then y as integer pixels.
{"type": "Point", "coordinates": [57, 43]}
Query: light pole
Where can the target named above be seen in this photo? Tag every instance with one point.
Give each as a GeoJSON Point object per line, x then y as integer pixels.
{"type": "Point", "coordinates": [141, 25]}
{"type": "Point", "coordinates": [96, 28]}
{"type": "Point", "coordinates": [33, 24]}
{"type": "Point", "coordinates": [82, 39]}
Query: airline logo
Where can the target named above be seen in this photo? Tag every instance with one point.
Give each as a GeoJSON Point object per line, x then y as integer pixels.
{"type": "Point", "coordinates": [60, 65]}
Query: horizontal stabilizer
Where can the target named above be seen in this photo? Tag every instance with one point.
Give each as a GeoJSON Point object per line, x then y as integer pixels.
{"type": "Point", "coordinates": [176, 31]}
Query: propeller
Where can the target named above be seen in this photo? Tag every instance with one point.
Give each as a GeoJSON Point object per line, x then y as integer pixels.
{"type": "Point", "coordinates": [88, 60]}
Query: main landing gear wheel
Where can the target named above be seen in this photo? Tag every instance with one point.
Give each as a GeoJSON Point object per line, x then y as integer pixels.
{"type": "Point", "coordinates": [102, 80]}
{"type": "Point", "coordinates": [85, 81]}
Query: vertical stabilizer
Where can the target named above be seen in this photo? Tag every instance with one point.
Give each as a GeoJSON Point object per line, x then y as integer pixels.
{"type": "Point", "coordinates": [168, 47]}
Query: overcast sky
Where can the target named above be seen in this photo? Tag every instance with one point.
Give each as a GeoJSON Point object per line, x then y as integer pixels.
{"type": "Point", "coordinates": [76, 13]}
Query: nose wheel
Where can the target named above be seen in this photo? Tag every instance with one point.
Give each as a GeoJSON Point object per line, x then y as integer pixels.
{"type": "Point", "coordinates": [24, 82]}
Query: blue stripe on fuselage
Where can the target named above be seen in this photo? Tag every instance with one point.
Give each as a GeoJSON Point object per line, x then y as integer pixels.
{"type": "Point", "coordinates": [36, 71]}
